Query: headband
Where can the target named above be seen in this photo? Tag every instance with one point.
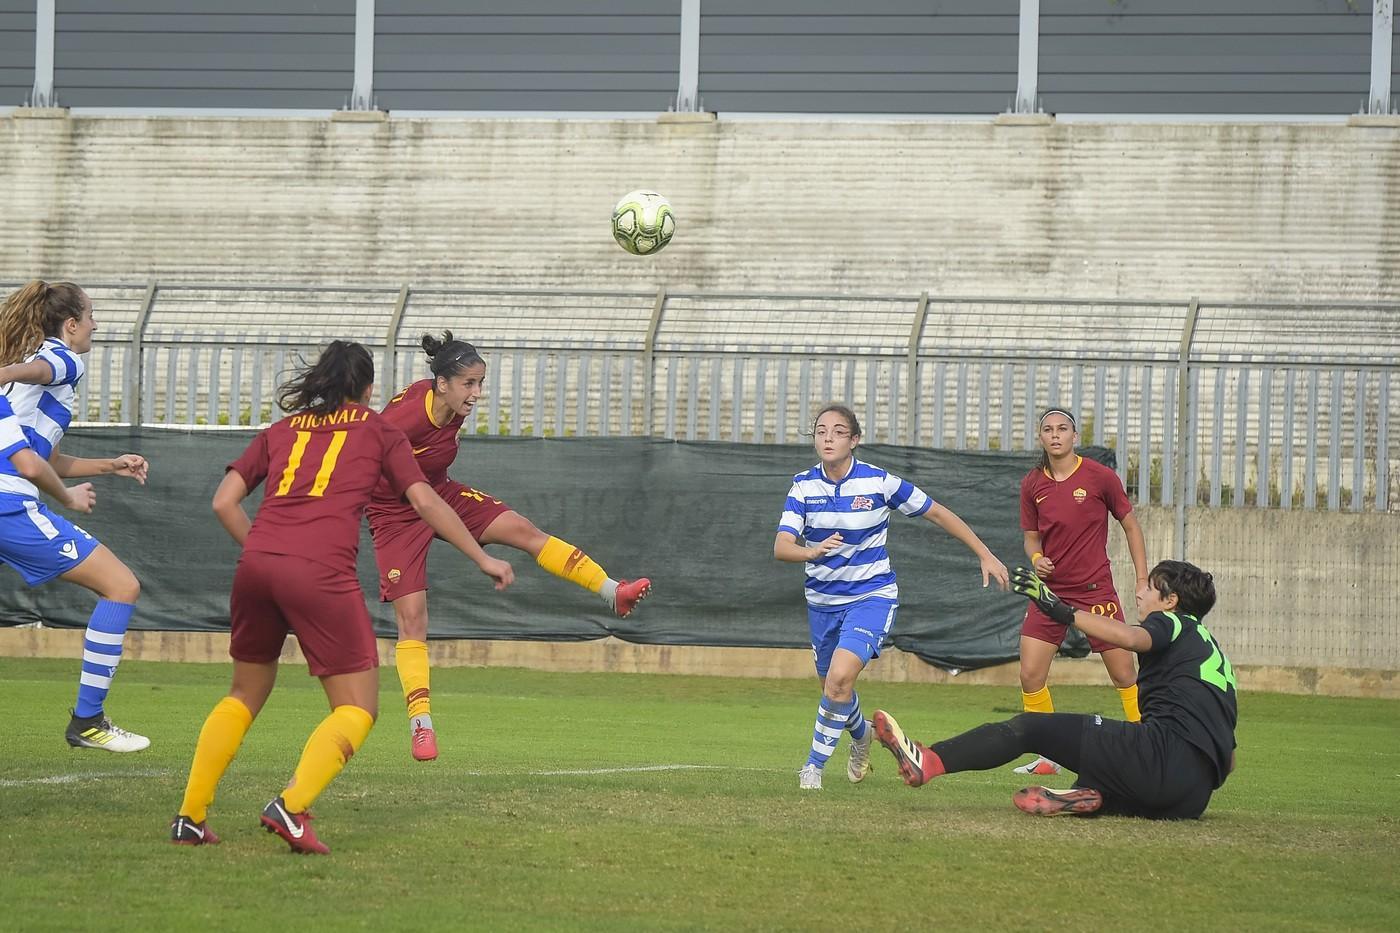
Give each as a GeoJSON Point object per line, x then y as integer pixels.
{"type": "Point", "coordinates": [1058, 411]}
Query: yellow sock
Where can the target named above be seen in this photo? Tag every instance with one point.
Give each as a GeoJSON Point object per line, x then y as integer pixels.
{"type": "Point", "coordinates": [1038, 702]}
{"type": "Point", "coordinates": [564, 560]}
{"type": "Point", "coordinates": [1130, 708]}
{"type": "Point", "coordinates": [411, 659]}
{"type": "Point", "coordinates": [335, 741]}
{"type": "Point", "coordinates": [223, 732]}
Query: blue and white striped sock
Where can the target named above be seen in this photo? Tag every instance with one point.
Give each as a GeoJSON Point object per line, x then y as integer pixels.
{"type": "Point", "coordinates": [102, 652]}
{"type": "Point", "coordinates": [831, 722]}
{"type": "Point", "coordinates": [855, 723]}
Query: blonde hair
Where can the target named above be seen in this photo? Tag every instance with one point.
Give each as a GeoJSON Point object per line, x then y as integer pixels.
{"type": "Point", "coordinates": [34, 312]}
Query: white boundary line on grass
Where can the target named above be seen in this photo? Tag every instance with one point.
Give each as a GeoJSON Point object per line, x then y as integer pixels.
{"type": "Point", "coordinates": [85, 776]}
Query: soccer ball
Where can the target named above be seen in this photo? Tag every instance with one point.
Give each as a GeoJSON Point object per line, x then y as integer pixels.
{"type": "Point", "coordinates": [642, 222]}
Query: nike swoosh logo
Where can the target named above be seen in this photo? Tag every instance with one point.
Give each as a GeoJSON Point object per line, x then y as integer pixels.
{"type": "Point", "coordinates": [419, 450]}
{"type": "Point", "coordinates": [1039, 500]}
{"type": "Point", "coordinates": [195, 829]}
{"type": "Point", "coordinates": [291, 824]}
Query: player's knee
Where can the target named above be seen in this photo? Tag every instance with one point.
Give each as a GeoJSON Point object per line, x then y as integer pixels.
{"type": "Point", "coordinates": [1032, 680]}
{"type": "Point", "coordinates": [839, 691]}
{"type": "Point", "coordinates": [125, 589]}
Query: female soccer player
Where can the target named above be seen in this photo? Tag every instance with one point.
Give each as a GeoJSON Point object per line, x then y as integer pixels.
{"type": "Point", "coordinates": [431, 412]}
{"type": "Point", "coordinates": [1164, 768]}
{"type": "Point", "coordinates": [841, 507]}
{"type": "Point", "coordinates": [1065, 504]}
{"type": "Point", "coordinates": [43, 330]}
{"type": "Point", "coordinates": [297, 573]}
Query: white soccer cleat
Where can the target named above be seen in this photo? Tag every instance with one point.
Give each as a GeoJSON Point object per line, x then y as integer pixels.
{"type": "Point", "coordinates": [809, 778]}
{"type": "Point", "coordinates": [859, 765]}
{"type": "Point", "coordinates": [1039, 766]}
{"type": "Point", "coordinates": [99, 732]}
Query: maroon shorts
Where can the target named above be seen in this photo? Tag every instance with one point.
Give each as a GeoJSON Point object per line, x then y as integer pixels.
{"type": "Point", "coordinates": [1099, 598]}
{"type": "Point", "coordinates": [274, 594]}
{"type": "Point", "coordinates": [401, 539]}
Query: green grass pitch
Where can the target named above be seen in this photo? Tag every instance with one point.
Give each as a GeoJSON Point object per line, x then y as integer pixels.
{"type": "Point", "coordinates": [520, 824]}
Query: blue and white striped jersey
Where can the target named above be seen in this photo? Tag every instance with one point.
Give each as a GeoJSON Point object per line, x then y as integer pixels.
{"type": "Point", "coordinates": [858, 507]}
{"type": "Point", "coordinates": [44, 411]}
{"type": "Point", "coordinates": [11, 431]}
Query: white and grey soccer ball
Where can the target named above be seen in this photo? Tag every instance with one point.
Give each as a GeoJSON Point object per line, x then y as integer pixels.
{"type": "Point", "coordinates": [643, 223]}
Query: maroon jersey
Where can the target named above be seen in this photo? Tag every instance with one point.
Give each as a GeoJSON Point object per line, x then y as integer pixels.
{"type": "Point", "coordinates": [1071, 516]}
{"type": "Point", "coordinates": [320, 472]}
{"type": "Point", "coordinates": [434, 445]}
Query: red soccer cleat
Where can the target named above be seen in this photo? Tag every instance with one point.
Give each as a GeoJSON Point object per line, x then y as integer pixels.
{"type": "Point", "coordinates": [1042, 801]}
{"type": "Point", "coordinates": [915, 760]}
{"type": "Point", "coordinates": [424, 744]}
{"type": "Point", "coordinates": [186, 832]}
{"type": "Point", "coordinates": [295, 828]}
{"type": "Point", "coordinates": [629, 594]}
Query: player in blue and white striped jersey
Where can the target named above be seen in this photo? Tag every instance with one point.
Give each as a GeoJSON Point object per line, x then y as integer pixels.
{"type": "Point", "coordinates": [43, 330]}
{"type": "Point", "coordinates": [840, 508]}
{"type": "Point", "coordinates": [19, 459]}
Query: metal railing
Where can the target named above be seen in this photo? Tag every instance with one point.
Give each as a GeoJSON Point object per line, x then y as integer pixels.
{"type": "Point", "coordinates": [1205, 403]}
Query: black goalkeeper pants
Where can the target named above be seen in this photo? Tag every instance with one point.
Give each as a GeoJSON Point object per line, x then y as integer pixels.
{"type": "Point", "coordinates": [1140, 768]}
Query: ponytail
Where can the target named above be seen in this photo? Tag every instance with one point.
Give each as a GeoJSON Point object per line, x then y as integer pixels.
{"type": "Point", "coordinates": [33, 313]}
{"type": "Point", "coordinates": [449, 357]}
{"type": "Point", "coordinates": [344, 371]}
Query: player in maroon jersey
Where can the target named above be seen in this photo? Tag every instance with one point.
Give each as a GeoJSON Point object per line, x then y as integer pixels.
{"type": "Point", "coordinates": [431, 412]}
{"type": "Point", "coordinates": [1065, 504]}
{"type": "Point", "coordinates": [297, 574]}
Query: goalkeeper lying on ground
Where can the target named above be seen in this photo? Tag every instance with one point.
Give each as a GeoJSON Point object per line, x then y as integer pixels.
{"type": "Point", "coordinates": [1165, 767]}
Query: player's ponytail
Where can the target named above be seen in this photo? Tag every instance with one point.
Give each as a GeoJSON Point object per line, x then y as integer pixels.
{"type": "Point", "coordinates": [449, 357]}
{"type": "Point", "coordinates": [36, 311]}
{"type": "Point", "coordinates": [344, 371]}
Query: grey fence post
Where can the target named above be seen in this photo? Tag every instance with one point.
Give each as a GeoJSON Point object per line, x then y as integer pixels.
{"type": "Point", "coordinates": [911, 394]}
{"type": "Point", "coordinates": [389, 377]}
{"type": "Point", "coordinates": [1382, 19]}
{"type": "Point", "coordinates": [42, 94]}
{"type": "Point", "coordinates": [1184, 436]}
{"type": "Point", "coordinates": [135, 370]}
{"type": "Point", "coordinates": [362, 93]}
{"type": "Point", "coordinates": [1028, 58]}
{"type": "Point", "coordinates": [688, 93]}
{"type": "Point", "coordinates": [649, 359]}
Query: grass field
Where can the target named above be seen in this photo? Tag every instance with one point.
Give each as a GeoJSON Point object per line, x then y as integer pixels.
{"type": "Point", "coordinates": [521, 824]}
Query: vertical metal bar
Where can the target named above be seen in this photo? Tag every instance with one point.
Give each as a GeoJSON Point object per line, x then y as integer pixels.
{"type": "Point", "coordinates": [1241, 434]}
{"type": "Point", "coordinates": [235, 386]}
{"type": "Point", "coordinates": [983, 407]}
{"type": "Point", "coordinates": [1028, 57]}
{"type": "Point", "coordinates": [1169, 446]}
{"type": "Point", "coordinates": [1031, 431]}
{"type": "Point", "coordinates": [211, 403]}
{"type": "Point", "coordinates": [1183, 451]}
{"type": "Point", "coordinates": [1052, 386]}
{"type": "Point", "coordinates": [760, 402]}
{"type": "Point", "coordinates": [940, 381]}
{"type": "Point", "coordinates": [658, 307]}
{"type": "Point", "coordinates": [172, 360]}
{"type": "Point", "coordinates": [105, 395]}
{"type": "Point", "coordinates": [605, 392]}
{"type": "Point", "coordinates": [916, 337]}
{"type": "Point", "coordinates": [804, 396]}
{"type": "Point", "coordinates": [780, 407]}
{"type": "Point", "coordinates": [1358, 443]}
{"type": "Point", "coordinates": [541, 361]}
{"type": "Point", "coordinates": [561, 392]}
{"type": "Point", "coordinates": [671, 376]}
{"type": "Point", "coordinates": [1008, 386]}
{"type": "Point", "coordinates": [1334, 445]}
{"type": "Point", "coordinates": [1383, 442]}
{"type": "Point", "coordinates": [1263, 497]}
{"type": "Point", "coordinates": [1145, 439]}
{"type": "Point", "coordinates": [872, 376]}
{"type": "Point", "coordinates": [494, 407]}
{"type": "Point", "coordinates": [893, 420]}
{"type": "Point", "coordinates": [517, 395]}
{"type": "Point", "coordinates": [960, 426]}
{"type": "Point", "coordinates": [1310, 448]}
{"type": "Point", "coordinates": [389, 377]}
{"type": "Point", "coordinates": [736, 406]}
{"type": "Point", "coordinates": [688, 92]}
{"type": "Point", "coordinates": [1121, 442]}
{"type": "Point", "coordinates": [1285, 464]}
{"type": "Point", "coordinates": [692, 406]}
{"type": "Point", "coordinates": [1100, 422]}
{"type": "Point", "coordinates": [1382, 17]}
{"type": "Point", "coordinates": [255, 403]}
{"type": "Point", "coordinates": [1217, 438]}
{"type": "Point", "coordinates": [581, 399]}
{"type": "Point", "coordinates": [191, 385]}
{"type": "Point", "coordinates": [625, 420]}
{"type": "Point", "coordinates": [1193, 433]}
{"type": "Point", "coordinates": [42, 94]}
{"type": "Point", "coordinates": [362, 93]}
{"type": "Point", "coordinates": [148, 401]}
{"type": "Point", "coordinates": [827, 367]}
{"type": "Point", "coordinates": [1076, 392]}
{"type": "Point", "coordinates": [716, 395]}
{"type": "Point", "coordinates": [848, 396]}
{"type": "Point", "coordinates": [135, 374]}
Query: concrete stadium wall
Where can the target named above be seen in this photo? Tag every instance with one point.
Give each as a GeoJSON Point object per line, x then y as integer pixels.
{"type": "Point", "coordinates": [1226, 211]}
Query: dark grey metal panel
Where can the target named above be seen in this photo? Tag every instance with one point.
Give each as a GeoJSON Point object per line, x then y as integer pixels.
{"type": "Point", "coordinates": [16, 51]}
{"type": "Point", "coordinates": [540, 55]}
{"type": "Point", "coordinates": [879, 56]}
{"type": "Point", "coordinates": [205, 53]}
{"type": "Point", "coordinates": [1205, 56]}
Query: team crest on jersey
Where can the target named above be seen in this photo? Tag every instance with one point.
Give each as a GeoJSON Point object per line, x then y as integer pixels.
{"type": "Point", "coordinates": [860, 503]}
{"type": "Point", "coordinates": [394, 575]}
{"type": "Point", "coordinates": [1080, 495]}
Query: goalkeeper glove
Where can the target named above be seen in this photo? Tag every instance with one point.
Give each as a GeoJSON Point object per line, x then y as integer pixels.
{"type": "Point", "coordinates": [1029, 585]}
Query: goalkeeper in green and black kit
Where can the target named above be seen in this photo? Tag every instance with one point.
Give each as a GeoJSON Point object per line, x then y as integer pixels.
{"type": "Point", "coordinates": [1165, 767]}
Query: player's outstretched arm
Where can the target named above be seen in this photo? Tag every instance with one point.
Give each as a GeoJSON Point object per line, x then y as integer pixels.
{"type": "Point", "coordinates": [34, 373]}
{"type": "Point", "coordinates": [992, 569]}
{"type": "Point", "coordinates": [228, 506]}
{"type": "Point", "coordinates": [786, 548]}
{"type": "Point", "coordinates": [132, 465]}
{"type": "Point", "coordinates": [440, 517]}
{"type": "Point", "coordinates": [38, 471]}
{"type": "Point", "coordinates": [1104, 628]}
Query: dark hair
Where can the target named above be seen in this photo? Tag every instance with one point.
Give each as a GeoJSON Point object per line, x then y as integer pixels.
{"type": "Point", "coordinates": [450, 357]}
{"type": "Point", "coordinates": [1194, 588]}
{"type": "Point", "coordinates": [344, 371]}
{"type": "Point", "coordinates": [848, 415]}
{"type": "Point", "coordinates": [1039, 422]}
{"type": "Point", "coordinates": [34, 312]}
